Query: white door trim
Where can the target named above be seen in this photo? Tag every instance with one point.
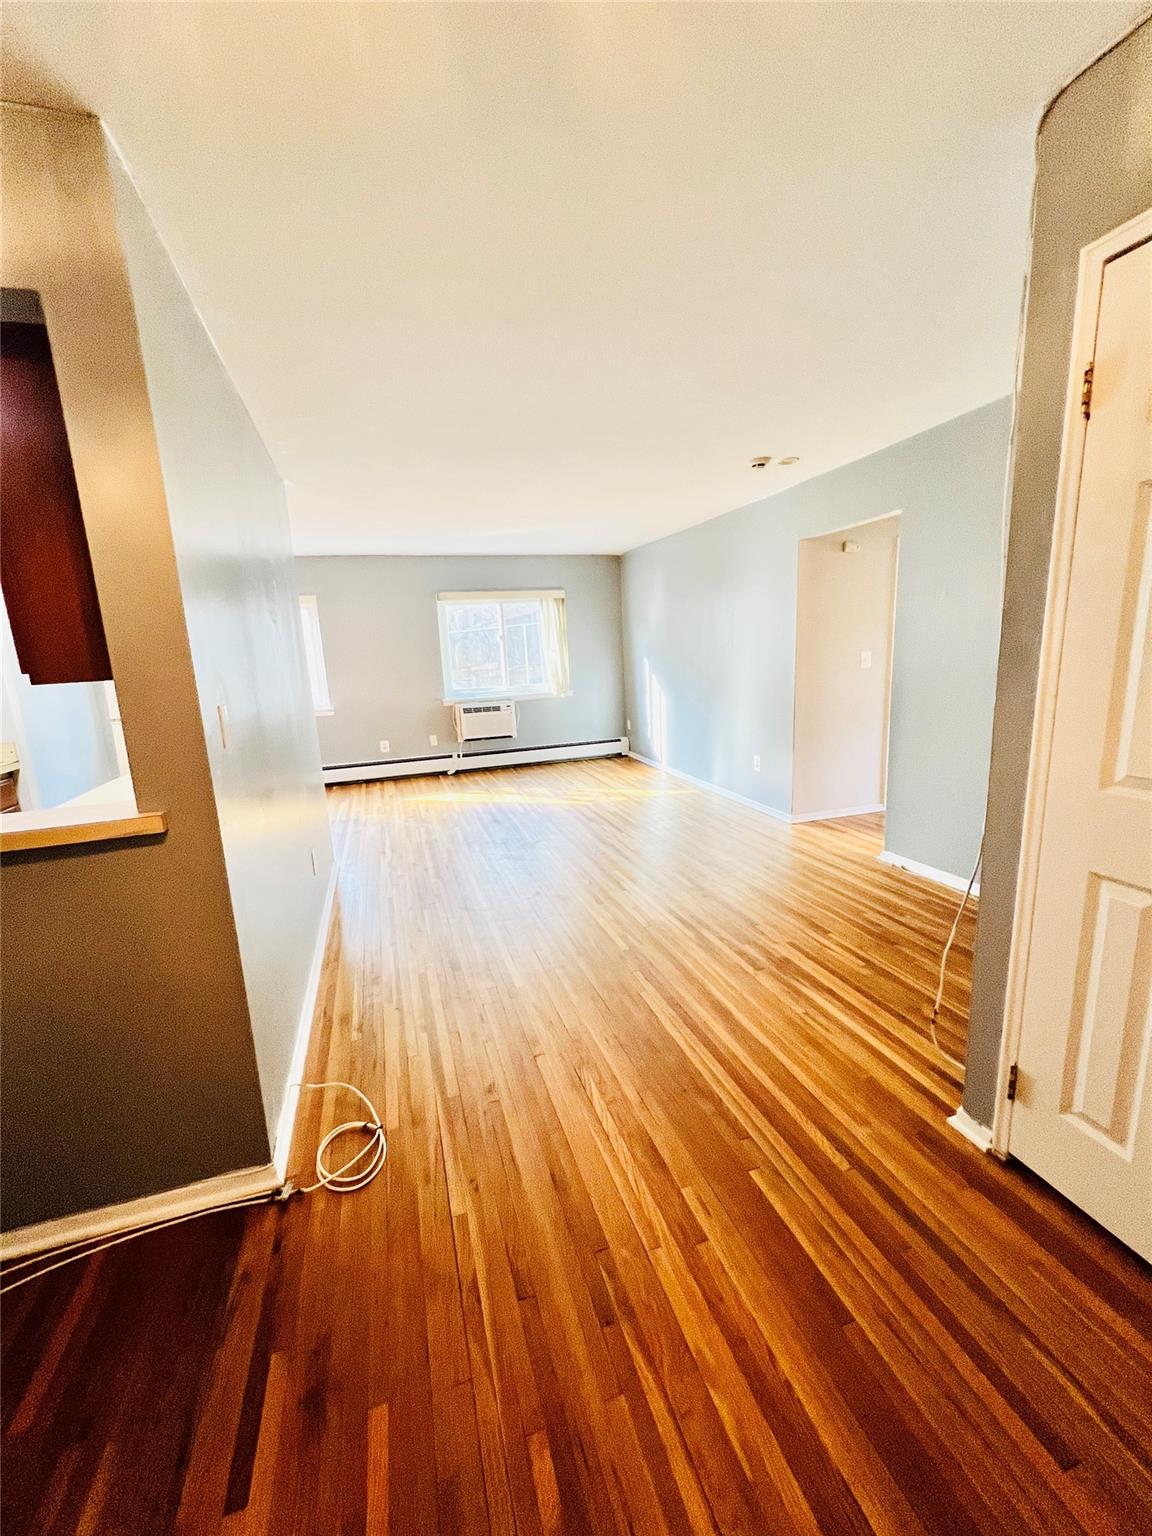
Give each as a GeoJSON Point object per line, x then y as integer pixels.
{"type": "Point", "coordinates": [1093, 259]}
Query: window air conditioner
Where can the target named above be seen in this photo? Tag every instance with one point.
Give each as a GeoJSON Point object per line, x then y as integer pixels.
{"type": "Point", "coordinates": [483, 722]}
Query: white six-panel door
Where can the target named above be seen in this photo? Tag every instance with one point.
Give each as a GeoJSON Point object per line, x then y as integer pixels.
{"type": "Point", "coordinates": [1082, 1117]}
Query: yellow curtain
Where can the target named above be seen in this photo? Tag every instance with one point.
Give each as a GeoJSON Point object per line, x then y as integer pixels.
{"type": "Point", "coordinates": [556, 644]}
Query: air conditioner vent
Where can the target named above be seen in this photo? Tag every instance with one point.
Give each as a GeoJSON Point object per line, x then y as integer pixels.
{"type": "Point", "coordinates": [484, 722]}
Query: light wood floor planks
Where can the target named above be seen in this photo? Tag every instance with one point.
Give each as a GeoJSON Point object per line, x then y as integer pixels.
{"type": "Point", "coordinates": [672, 1236]}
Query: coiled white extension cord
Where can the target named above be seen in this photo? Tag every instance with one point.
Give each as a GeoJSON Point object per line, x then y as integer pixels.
{"type": "Point", "coordinates": [341, 1181]}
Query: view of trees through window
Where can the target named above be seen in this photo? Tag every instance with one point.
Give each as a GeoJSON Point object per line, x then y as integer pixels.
{"type": "Point", "coordinates": [496, 647]}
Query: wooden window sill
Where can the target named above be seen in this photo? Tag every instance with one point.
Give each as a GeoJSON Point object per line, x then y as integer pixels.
{"type": "Point", "coordinates": [75, 831]}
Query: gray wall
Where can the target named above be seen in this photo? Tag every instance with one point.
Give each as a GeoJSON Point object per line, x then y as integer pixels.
{"type": "Point", "coordinates": [1094, 172]}
{"type": "Point", "coordinates": [234, 554]}
{"type": "Point", "coordinates": [710, 619]}
{"type": "Point", "coordinates": [128, 1063]}
{"type": "Point", "coordinates": [382, 648]}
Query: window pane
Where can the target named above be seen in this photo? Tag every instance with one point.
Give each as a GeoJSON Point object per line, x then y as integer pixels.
{"type": "Point", "coordinates": [314, 655]}
{"type": "Point", "coordinates": [473, 616]}
{"type": "Point", "coordinates": [497, 647]}
{"type": "Point", "coordinates": [475, 661]}
{"type": "Point", "coordinates": [521, 613]}
{"type": "Point", "coordinates": [516, 652]}
{"type": "Point", "coordinates": [524, 639]}
{"type": "Point", "coordinates": [537, 670]}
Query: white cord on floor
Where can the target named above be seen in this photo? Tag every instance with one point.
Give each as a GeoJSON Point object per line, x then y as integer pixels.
{"type": "Point", "coordinates": [944, 957]}
{"type": "Point", "coordinates": [111, 1242]}
{"type": "Point", "coordinates": [340, 1180]}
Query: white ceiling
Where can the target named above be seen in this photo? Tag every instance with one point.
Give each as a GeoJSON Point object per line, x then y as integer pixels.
{"type": "Point", "coordinates": [545, 277]}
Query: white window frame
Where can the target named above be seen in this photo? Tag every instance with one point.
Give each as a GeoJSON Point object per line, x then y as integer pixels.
{"type": "Point", "coordinates": [314, 655]}
{"type": "Point", "coordinates": [558, 666]}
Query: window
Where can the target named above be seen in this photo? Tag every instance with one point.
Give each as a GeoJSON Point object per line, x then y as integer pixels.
{"type": "Point", "coordinates": [503, 644]}
{"type": "Point", "coordinates": [314, 655]}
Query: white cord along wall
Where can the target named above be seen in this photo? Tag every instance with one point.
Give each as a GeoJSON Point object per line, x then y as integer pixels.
{"type": "Point", "coordinates": [359, 1170]}
{"type": "Point", "coordinates": [944, 958]}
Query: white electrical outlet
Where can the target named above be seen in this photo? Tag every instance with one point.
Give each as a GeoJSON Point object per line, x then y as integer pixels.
{"type": "Point", "coordinates": [865, 660]}
{"type": "Point", "coordinates": [627, 725]}
{"type": "Point", "coordinates": [756, 765]}
{"type": "Point", "coordinates": [385, 747]}
{"type": "Point", "coordinates": [433, 741]}
{"type": "Point", "coordinates": [312, 856]}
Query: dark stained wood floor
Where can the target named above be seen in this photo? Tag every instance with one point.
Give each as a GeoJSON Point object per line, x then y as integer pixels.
{"type": "Point", "coordinates": [672, 1236]}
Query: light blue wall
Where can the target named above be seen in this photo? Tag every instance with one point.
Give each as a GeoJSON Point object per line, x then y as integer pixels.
{"type": "Point", "coordinates": [67, 737]}
{"type": "Point", "coordinates": [233, 548]}
{"type": "Point", "coordinates": [381, 637]}
{"type": "Point", "coordinates": [710, 625]}
{"type": "Point", "coordinates": [61, 730]}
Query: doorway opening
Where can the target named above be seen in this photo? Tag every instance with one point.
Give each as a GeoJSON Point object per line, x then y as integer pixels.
{"type": "Point", "coordinates": [845, 614]}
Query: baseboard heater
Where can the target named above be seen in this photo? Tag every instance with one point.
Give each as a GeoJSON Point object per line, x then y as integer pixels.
{"type": "Point", "coordinates": [499, 757]}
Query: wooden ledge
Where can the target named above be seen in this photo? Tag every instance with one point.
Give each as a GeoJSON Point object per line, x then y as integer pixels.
{"type": "Point", "coordinates": [69, 834]}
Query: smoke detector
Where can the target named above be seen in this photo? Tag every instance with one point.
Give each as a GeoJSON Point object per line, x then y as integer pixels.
{"type": "Point", "coordinates": [762, 463]}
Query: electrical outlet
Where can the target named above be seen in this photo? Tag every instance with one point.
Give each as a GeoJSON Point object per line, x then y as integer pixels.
{"type": "Point", "coordinates": [385, 747]}
{"type": "Point", "coordinates": [433, 741]}
{"type": "Point", "coordinates": [627, 725]}
{"type": "Point", "coordinates": [756, 765]}
{"type": "Point", "coordinates": [312, 856]}
{"type": "Point", "coordinates": [222, 722]}
{"type": "Point", "coordinates": [865, 660]}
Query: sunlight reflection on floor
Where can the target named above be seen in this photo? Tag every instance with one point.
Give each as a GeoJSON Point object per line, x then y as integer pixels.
{"type": "Point", "coordinates": [542, 796]}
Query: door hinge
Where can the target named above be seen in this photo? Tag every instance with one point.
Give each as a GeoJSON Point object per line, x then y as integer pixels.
{"type": "Point", "coordinates": [1086, 392]}
{"type": "Point", "coordinates": [1013, 1082]}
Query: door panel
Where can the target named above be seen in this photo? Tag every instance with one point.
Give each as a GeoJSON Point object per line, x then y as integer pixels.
{"type": "Point", "coordinates": [1129, 747]}
{"type": "Point", "coordinates": [1083, 1116]}
{"type": "Point", "coordinates": [1110, 1017]}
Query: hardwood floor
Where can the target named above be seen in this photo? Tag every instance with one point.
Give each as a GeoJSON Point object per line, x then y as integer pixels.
{"type": "Point", "coordinates": [672, 1236]}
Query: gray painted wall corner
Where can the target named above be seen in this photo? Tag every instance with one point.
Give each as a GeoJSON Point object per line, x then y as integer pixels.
{"type": "Point", "coordinates": [128, 1061]}
{"type": "Point", "coordinates": [381, 639]}
{"type": "Point", "coordinates": [710, 624]}
{"type": "Point", "coordinates": [1094, 172]}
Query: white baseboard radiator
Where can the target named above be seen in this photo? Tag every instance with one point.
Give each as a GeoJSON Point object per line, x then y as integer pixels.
{"type": "Point", "coordinates": [461, 762]}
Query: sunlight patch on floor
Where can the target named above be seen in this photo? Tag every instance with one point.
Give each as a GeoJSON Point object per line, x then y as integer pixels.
{"type": "Point", "coordinates": [542, 797]}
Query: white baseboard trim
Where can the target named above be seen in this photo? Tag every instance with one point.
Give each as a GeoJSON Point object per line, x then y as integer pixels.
{"type": "Point", "coordinates": [359, 773]}
{"type": "Point", "coordinates": [979, 1135]}
{"type": "Point", "coordinates": [716, 789]}
{"type": "Point", "coordinates": [847, 810]}
{"type": "Point", "coordinates": [109, 1219]}
{"type": "Point", "coordinates": [927, 872]}
{"type": "Point", "coordinates": [286, 1123]}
